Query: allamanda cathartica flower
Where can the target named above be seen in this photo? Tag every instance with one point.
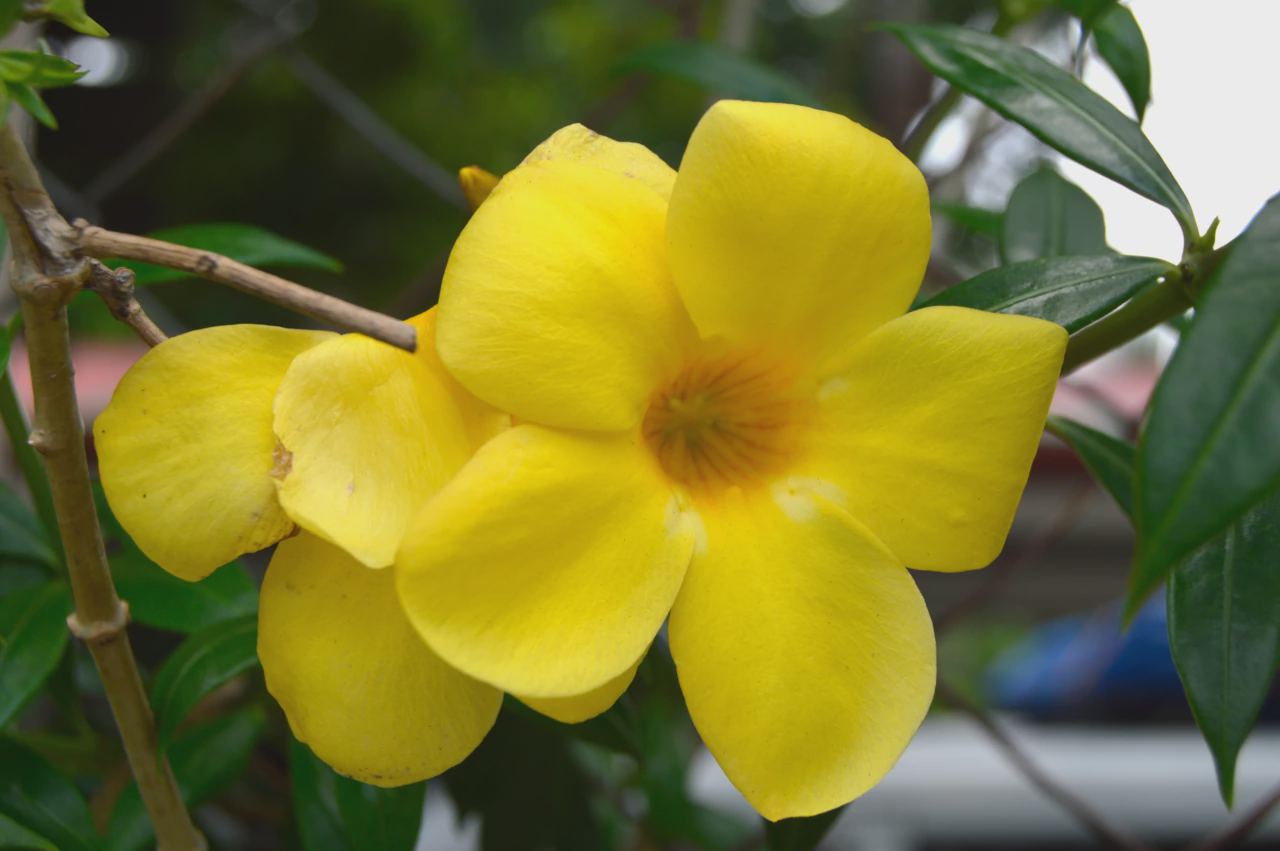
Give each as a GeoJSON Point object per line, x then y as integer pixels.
{"type": "Point", "coordinates": [226, 440]}
{"type": "Point", "coordinates": [724, 415]}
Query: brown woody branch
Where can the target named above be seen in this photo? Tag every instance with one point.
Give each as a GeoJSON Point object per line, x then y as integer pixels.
{"type": "Point", "coordinates": [46, 274]}
{"type": "Point", "coordinates": [96, 242]}
{"type": "Point", "coordinates": [116, 290]}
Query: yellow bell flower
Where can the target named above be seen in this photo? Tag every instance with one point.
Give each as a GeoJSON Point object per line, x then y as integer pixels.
{"type": "Point", "coordinates": [226, 440]}
{"type": "Point", "coordinates": [725, 414]}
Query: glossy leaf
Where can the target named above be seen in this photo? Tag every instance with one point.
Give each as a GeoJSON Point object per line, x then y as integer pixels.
{"type": "Point", "coordinates": [33, 637]}
{"type": "Point", "coordinates": [206, 660]}
{"type": "Point", "coordinates": [71, 13]}
{"type": "Point", "coordinates": [37, 69]}
{"type": "Point", "coordinates": [30, 100]}
{"type": "Point", "coordinates": [1086, 10]}
{"type": "Point", "coordinates": [1210, 450]}
{"type": "Point", "coordinates": [1049, 216]}
{"type": "Point", "coordinates": [377, 819]}
{"type": "Point", "coordinates": [315, 801]}
{"type": "Point", "coordinates": [1224, 632]}
{"type": "Point", "coordinates": [14, 835]}
{"type": "Point", "coordinates": [528, 789]}
{"type": "Point", "coordinates": [799, 834]}
{"type": "Point", "coordinates": [1108, 458]}
{"type": "Point", "coordinates": [205, 760]}
{"type": "Point", "coordinates": [1056, 108]}
{"type": "Point", "coordinates": [721, 71]}
{"type": "Point", "coordinates": [21, 537]}
{"type": "Point", "coordinates": [246, 244]}
{"type": "Point", "coordinates": [1122, 46]}
{"type": "Point", "coordinates": [43, 801]}
{"type": "Point", "coordinates": [1072, 291]}
{"type": "Point", "coordinates": [988, 223]}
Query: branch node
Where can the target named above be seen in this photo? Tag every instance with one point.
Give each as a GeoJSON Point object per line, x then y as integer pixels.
{"type": "Point", "coordinates": [116, 291]}
{"type": "Point", "coordinates": [39, 441]}
{"type": "Point", "coordinates": [100, 632]}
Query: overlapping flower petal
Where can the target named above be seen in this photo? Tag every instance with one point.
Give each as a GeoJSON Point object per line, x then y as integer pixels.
{"type": "Point", "coordinates": [547, 565]}
{"type": "Point", "coordinates": [795, 227]}
{"type": "Point", "coordinates": [560, 279]}
{"type": "Point", "coordinates": [371, 432]}
{"type": "Point", "coordinates": [804, 650]}
{"type": "Point", "coordinates": [578, 708]}
{"type": "Point", "coordinates": [355, 680]}
{"type": "Point", "coordinates": [929, 432]}
{"type": "Point", "coordinates": [186, 449]}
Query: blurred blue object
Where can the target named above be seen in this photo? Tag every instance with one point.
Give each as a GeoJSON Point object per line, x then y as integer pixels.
{"type": "Point", "coordinates": [1084, 668]}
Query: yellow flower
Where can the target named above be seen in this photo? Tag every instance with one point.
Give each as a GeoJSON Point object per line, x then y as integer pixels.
{"type": "Point", "coordinates": [726, 416]}
{"type": "Point", "coordinates": [224, 441]}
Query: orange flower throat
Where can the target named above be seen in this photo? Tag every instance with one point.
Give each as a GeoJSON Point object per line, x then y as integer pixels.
{"type": "Point", "coordinates": [727, 420]}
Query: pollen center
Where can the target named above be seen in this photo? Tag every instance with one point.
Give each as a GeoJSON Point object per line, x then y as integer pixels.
{"type": "Point", "coordinates": [727, 420]}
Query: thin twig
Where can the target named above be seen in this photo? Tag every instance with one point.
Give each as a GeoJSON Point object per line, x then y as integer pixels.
{"type": "Point", "coordinates": [116, 290]}
{"type": "Point", "coordinates": [96, 242]}
{"type": "Point", "coordinates": [47, 272]}
{"type": "Point", "coordinates": [1042, 541]}
{"type": "Point", "coordinates": [177, 123]}
{"type": "Point", "coordinates": [375, 131]}
{"type": "Point", "coordinates": [1238, 830]}
{"type": "Point", "coordinates": [1103, 831]}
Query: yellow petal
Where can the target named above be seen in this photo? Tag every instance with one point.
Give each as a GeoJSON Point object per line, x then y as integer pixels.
{"type": "Point", "coordinates": [483, 420]}
{"type": "Point", "coordinates": [577, 144]}
{"type": "Point", "coordinates": [476, 184]}
{"type": "Point", "coordinates": [804, 650]}
{"type": "Point", "coordinates": [373, 432]}
{"type": "Point", "coordinates": [795, 226]}
{"type": "Point", "coordinates": [354, 679]}
{"type": "Point", "coordinates": [557, 303]}
{"type": "Point", "coordinates": [929, 433]}
{"type": "Point", "coordinates": [580, 707]}
{"type": "Point", "coordinates": [186, 451]}
{"type": "Point", "coordinates": [547, 565]}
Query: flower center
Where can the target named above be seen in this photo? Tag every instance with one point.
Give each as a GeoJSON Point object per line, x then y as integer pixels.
{"type": "Point", "coordinates": [727, 420]}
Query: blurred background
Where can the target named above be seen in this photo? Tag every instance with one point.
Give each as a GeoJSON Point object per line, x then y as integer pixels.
{"type": "Point", "coordinates": [341, 126]}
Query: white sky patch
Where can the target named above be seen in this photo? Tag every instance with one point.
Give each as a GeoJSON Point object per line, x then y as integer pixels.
{"type": "Point", "coordinates": [1212, 72]}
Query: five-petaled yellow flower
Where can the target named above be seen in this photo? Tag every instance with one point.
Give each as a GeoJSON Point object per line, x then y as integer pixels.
{"type": "Point", "coordinates": [725, 416]}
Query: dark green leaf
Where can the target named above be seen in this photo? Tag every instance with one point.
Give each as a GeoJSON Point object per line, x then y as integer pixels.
{"type": "Point", "coordinates": [529, 790]}
{"type": "Point", "coordinates": [161, 600]}
{"type": "Point", "coordinates": [799, 834]}
{"type": "Point", "coordinates": [43, 801]}
{"type": "Point", "coordinates": [1049, 216]}
{"type": "Point", "coordinates": [246, 244]}
{"type": "Point", "coordinates": [719, 70]}
{"type": "Point", "coordinates": [379, 819]}
{"type": "Point", "coordinates": [37, 69]}
{"type": "Point", "coordinates": [1224, 632]}
{"type": "Point", "coordinates": [1110, 459]}
{"type": "Point", "coordinates": [1210, 451]}
{"type": "Point", "coordinates": [1086, 10]}
{"type": "Point", "coordinates": [30, 100]}
{"type": "Point", "coordinates": [1122, 46]}
{"type": "Point", "coordinates": [206, 660]}
{"type": "Point", "coordinates": [988, 223]}
{"type": "Point", "coordinates": [72, 14]}
{"type": "Point", "coordinates": [1059, 110]}
{"type": "Point", "coordinates": [33, 636]}
{"type": "Point", "coordinates": [315, 802]}
{"type": "Point", "coordinates": [20, 534]}
{"type": "Point", "coordinates": [1072, 291]}
{"type": "Point", "coordinates": [205, 760]}
{"type": "Point", "coordinates": [14, 835]}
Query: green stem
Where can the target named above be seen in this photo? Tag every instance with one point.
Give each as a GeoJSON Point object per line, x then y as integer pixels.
{"type": "Point", "coordinates": [1158, 304]}
{"type": "Point", "coordinates": [15, 425]}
